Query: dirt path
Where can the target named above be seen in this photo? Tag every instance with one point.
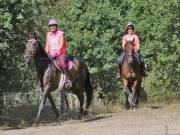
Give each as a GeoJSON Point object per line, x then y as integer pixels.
{"type": "Point", "coordinates": [146, 121]}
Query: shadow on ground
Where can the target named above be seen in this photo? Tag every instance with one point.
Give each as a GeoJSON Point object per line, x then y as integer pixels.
{"type": "Point", "coordinates": [23, 117]}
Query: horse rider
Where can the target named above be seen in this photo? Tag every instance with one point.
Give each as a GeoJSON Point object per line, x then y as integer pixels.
{"type": "Point", "coordinates": [132, 37]}
{"type": "Point", "coordinates": [56, 47]}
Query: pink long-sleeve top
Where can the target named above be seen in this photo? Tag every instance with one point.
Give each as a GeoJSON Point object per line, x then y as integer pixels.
{"type": "Point", "coordinates": [53, 46]}
{"type": "Point", "coordinates": [131, 37]}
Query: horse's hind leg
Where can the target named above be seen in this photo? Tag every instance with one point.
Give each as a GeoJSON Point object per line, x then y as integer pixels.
{"type": "Point", "coordinates": [134, 98]}
{"type": "Point", "coordinates": [137, 98]}
{"type": "Point", "coordinates": [80, 96]}
{"type": "Point", "coordinates": [53, 105]}
{"type": "Point", "coordinates": [127, 94]}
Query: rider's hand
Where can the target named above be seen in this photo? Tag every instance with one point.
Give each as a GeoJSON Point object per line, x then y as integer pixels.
{"type": "Point", "coordinates": [137, 51]}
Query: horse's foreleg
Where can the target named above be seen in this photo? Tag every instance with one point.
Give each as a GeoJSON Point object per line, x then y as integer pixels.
{"type": "Point", "coordinates": [127, 104]}
{"type": "Point", "coordinates": [126, 93]}
{"type": "Point", "coordinates": [43, 100]}
{"type": "Point", "coordinates": [53, 105]}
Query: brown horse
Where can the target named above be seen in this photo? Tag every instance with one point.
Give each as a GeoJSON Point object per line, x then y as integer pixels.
{"type": "Point", "coordinates": [51, 79]}
{"type": "Point", "coordinates": [131, 77]}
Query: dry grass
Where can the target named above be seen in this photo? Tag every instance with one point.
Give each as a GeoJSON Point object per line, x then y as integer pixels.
{"type": "Point", "coordinates": [23, 116]}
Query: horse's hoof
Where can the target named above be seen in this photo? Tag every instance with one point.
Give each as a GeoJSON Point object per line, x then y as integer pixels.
{"type": "Point", "coordinates": [80, 116]}
{"type": "Point", "coordinates": [85, 112]}
{"type": "Point", "coordinates": [127, 107]}
{"type": "Point", "coordinates": [35, 123]}
{"type": "Point", "coordinates": [59, 119]}
{"type": "Point", "coordinates": [134, 109]}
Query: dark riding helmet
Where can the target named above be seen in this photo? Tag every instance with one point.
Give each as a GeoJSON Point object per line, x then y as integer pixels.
{"type": "Point", "coordinates": [130, 25]}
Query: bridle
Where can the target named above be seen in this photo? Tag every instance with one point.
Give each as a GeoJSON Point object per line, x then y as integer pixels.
{"type": "Point", "coordinates": [35, 47]}
{"type": "Point", "coordinates": [127, 49]}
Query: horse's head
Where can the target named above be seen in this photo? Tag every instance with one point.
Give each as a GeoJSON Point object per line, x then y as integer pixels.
{"type": "Point", "coordinates": [129, 48]}
{"type": "Point", "coordinates": [129, 52]}
{"type": "Point", "coordinates": [31, 48]}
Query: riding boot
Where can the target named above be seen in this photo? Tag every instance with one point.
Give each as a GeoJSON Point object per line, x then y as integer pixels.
{"type": "Point", "coordinates": [143, 65]}
{"type": "Point", "coordinates": [144, 68]}
{"type": "Point", "coordinates": [68, 82]}
{"type": "Point", "coordinates": [120, 61]}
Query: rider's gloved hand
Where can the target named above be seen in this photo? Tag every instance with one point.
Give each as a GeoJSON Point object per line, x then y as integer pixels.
{"type": "Point", "coordinates": [137, 50]}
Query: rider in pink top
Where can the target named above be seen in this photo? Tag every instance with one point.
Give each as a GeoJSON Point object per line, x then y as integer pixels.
{"type": "Point", "coordinates": [131, 36]}
{"type": "Point", "coordinates": [56, 48]}
{"type": "Point", "coordinates": [56, 45]}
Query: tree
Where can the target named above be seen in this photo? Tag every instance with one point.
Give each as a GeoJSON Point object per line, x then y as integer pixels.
{"type": "Point", "coordinates": [16, 23]}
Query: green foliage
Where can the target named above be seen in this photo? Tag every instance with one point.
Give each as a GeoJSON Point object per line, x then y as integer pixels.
{"type": "Point", "coordinates": [96, 28]}
{"type": "Point", "coordinates": [93, 27]}
{"type": "Point", "coordinates": [17, 23]}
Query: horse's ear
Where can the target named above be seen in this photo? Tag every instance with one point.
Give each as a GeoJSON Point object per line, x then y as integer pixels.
{"type": "Point", "coordinates": [35, 36]}
{"type": "Point", "coordinates": [75, 52]}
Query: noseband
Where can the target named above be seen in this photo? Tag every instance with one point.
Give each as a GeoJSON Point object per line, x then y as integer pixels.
{"type": "Point", "coordinates": [129, 48]}
{"type": "Point", "coordinates": [35, 47]}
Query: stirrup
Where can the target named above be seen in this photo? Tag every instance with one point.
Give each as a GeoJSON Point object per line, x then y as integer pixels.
{"type": "Point", "coordinates": [144, 73]}
{"type": "Point", "coordinates": [118, 76]}
{"type": "Point", "coordinates": [68, 84]}
{"type": "Point", "coordinates": [146, 67]}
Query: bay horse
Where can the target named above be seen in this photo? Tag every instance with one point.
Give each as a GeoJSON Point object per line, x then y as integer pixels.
{"type": "Point", "coordinates": [131, 76]}
{"type": "Point", "coordinates": [51, 79]}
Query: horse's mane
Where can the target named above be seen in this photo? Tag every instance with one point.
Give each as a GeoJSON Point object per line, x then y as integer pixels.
{"type": "Point", "coordinates": [41, 50]}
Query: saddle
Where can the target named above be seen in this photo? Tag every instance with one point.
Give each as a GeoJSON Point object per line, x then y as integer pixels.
{"type": "Point", "coordinates": [69, 63]}
{"type": "Point", "coordinates": [121, 60]}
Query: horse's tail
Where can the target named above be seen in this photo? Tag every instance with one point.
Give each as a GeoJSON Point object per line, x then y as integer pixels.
{"type": "Point", "coordinates": [88, 91]}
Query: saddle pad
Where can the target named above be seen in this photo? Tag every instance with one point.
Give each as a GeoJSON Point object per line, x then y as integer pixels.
{"type": "Point", "coordinates": [58, 65]}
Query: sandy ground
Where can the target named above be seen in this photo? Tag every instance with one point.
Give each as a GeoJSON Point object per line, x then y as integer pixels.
{"type": "Point", "coordinates": [147, 121]}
